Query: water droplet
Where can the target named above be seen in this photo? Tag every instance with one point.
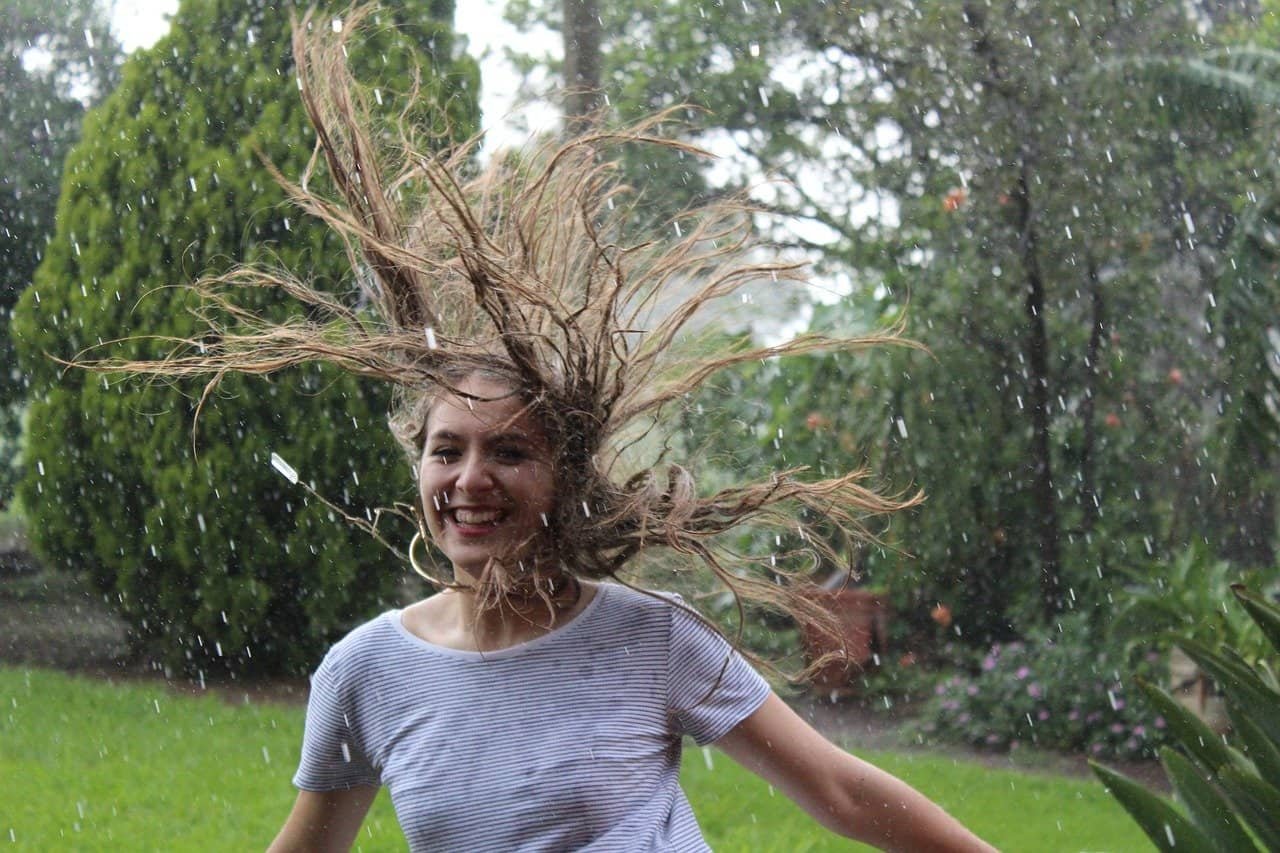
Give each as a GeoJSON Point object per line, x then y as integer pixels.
{"type": "Point", "coordinates": [284, 468]}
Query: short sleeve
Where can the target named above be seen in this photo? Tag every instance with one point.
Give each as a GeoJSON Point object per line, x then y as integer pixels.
{"type": "Point", "coordinates": [711, 688]}
{"type": "Point", "coordinates": [331, 757]}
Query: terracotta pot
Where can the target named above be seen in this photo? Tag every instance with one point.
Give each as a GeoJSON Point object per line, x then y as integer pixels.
{"type": "Point", "coordinates": [863, 632]}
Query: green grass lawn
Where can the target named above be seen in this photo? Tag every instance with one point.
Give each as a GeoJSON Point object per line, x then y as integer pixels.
{"type": "Point", "coordinates": [88, 765]}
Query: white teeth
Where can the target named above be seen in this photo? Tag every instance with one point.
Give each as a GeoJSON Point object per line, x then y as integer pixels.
{"type": "Point", "coordinates": [476, 516]}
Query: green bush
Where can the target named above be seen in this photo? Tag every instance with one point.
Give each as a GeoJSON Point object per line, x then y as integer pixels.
{"type": "Point", "coordinates": [1228, 789]}
{"type": "Point", "coordinates": [1055, 692]}
{"type": "Point", "coordinates": [215, 560]}
{"type": "Point", "coordinates": [1187, 598]}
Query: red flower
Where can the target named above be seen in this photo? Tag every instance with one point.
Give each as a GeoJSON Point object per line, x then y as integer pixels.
{"type": "Point", "coordinates": [941, 614]}
{"type": "Point", "coordinates": [1175, 376]}
{"type": "Point", "coordinates": [954, 198]}
{"type": "Point", "coordinates": [1112, 420]}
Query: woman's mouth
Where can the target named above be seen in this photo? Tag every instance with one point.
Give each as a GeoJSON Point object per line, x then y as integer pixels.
{"type": "Point", "coordinates": [484, 518]}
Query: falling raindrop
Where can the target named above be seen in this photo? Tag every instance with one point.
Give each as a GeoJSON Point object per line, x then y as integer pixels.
{"type": "Point", "coordinates": [284, 468]}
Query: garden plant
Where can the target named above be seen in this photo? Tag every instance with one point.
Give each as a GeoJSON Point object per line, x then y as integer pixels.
{"type": "Point", "coordinates": [1228, 788]}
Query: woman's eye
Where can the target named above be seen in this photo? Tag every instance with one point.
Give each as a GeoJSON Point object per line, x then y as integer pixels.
{"type": "Point", "coordinates": [509, 454]}
{"type": "Point", "coordinates": [444, 454]}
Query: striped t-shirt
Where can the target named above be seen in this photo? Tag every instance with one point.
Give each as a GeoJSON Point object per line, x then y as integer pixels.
{"type": "Point", "coordinates": [570, 741]}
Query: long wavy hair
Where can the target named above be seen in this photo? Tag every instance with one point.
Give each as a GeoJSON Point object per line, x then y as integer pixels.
{"type": "Point", "coordinates": [530, 269]}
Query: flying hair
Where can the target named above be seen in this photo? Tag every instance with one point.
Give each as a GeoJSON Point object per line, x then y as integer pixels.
{"type": "Point", "coordinates": [529, 269]}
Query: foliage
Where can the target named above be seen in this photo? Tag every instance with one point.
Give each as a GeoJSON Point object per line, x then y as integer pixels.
{"type": "Point", "coordinates": [52, 65]}
{"type": "Point", "coordinates": [126, 774]}
{"type": "Point", "coordinates": [1188, 599]}
{"type": "Point", "coordinates": [214, 559]}
{"type": "Point", "coordinates": [1059, 691]}
{"type": "Point", "coordinates": [1050, 216]}
{"type": "Point", "coordinates": [1228, 788]}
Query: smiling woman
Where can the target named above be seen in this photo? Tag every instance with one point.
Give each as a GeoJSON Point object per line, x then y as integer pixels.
{"type": "Point", "coordinates": [539, 701]}
{"type": "Point", "coordinates": [487, 481]}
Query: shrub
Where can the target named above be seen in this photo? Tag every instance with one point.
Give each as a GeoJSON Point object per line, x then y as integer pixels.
{"type": "Point", "coordinates": [1056, 692]}
{"type": "Point", "coordinates": [215, 560]}
{"type": "Point", "coordinates": [1187, 599]}
{"type": "Point", "coordinates": [1229, 789]}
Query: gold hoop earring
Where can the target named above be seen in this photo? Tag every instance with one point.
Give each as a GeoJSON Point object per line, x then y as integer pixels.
{"type": "Point", "coordinates": [421, 572]}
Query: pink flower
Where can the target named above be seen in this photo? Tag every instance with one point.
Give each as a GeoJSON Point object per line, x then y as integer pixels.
{"type": "Point", "coordinates": [1160, 723]}
{"type": "Point", "coordinates": [1034, 691]}
{"type": "Point", "coordinates": [972, 690]}
{"type": "Point", "coordinates": [1022, 673]}
{"type": "Point", "coordinates": [988, 663]}
{"type": "Point", "coordinates": [1074, 714]}
{"type": "Point", "coordinates": [1117, 728]}
{"type": "Point", "coordinates": [1043, 715]}
{"type": "Point", "coordinates": [1139, 731]}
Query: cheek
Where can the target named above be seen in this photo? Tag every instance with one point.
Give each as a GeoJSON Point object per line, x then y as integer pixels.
{"type": "Point", "coordinates": [542, 490]}
{"type": "Point", "coordinates": [428, 489]}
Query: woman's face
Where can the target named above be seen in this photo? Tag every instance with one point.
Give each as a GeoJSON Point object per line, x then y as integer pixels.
{"type": "Point", "coordinates": [486, 477]}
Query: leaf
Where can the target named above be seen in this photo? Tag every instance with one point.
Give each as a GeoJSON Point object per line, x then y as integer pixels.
{"type": "Point", "coordinates": [1167, 827]}
{"type": "Point", "coordinates": [1263, 612]}
{"type": "Point", "coordinates": [1209, 810]}
{"type": "Point", "coordinates": [1258, 748]}
{"type": "Point", "coordinates": [1242, 686]}
{"type": "Point", "coordinates": [1256, 801]}
{"type": "Point", "coordinates": [1190, 731]}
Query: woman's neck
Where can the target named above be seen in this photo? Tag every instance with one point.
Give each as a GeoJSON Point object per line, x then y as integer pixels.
{"type": "Point", "coordinates": [461, 618]}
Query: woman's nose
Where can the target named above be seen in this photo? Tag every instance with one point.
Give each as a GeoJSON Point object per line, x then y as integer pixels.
{"type": "Point", "coordinates": [473, 475]}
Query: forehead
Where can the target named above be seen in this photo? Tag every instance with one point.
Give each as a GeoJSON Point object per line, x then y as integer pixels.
{"type": "Point", "coordinates": [483, 405]}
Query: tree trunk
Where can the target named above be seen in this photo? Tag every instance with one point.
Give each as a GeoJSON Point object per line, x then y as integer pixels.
{"type": "Point", "coordinates": [1038, 364]}
{"type": "Point", "coordinates": [1088, 407]}
{"type": "Point", "coordinates": [582, 96]}
{"type": "Point", "coordinates": [1037, 342]}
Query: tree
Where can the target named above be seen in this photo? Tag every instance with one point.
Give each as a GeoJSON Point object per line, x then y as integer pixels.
{"type": "Point", "coordinates": [217, 561]}
{"type": "Point", "coordinates": [1029, 196]}
{"type": "Point", "coordinates": [52, 66]}
{"type": "Point", "coordinates": [581, 32]}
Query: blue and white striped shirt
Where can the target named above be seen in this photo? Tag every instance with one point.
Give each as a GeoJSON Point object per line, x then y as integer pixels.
{"type": "Point", "coordinates": [569, 741]}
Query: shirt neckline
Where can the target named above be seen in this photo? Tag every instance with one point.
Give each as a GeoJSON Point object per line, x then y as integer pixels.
{"type": "Point", "coordinates": [395, 618]}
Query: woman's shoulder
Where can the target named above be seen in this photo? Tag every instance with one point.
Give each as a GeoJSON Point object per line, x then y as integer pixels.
{"type": "Point", "coordinates": [368, 639]}
{"type": "Point", "coordinates": [622, 604]}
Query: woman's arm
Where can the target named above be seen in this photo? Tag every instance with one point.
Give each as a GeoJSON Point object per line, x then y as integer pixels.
{"type": "Point", "coordinates": [842, 792]}
{"type": "Point", "coordinates": [324, 821]}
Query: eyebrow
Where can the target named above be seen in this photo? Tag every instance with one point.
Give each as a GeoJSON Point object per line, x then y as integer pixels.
{"type": "Point", "coordinates": [492, 438]}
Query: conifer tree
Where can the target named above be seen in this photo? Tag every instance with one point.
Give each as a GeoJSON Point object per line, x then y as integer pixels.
{"type": "Point", "coordinates": [216, 560]}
